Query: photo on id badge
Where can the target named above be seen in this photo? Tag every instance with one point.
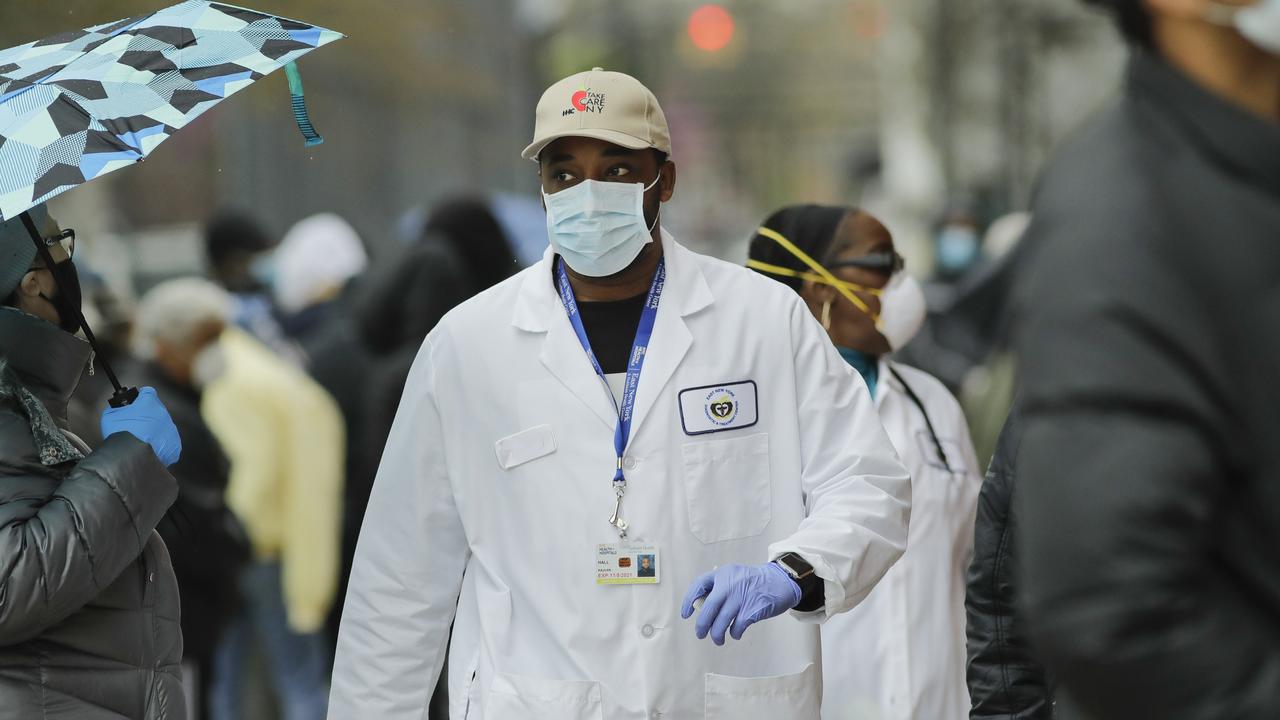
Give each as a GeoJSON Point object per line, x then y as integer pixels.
{"type": "Point", "coordinates": [627, 564]}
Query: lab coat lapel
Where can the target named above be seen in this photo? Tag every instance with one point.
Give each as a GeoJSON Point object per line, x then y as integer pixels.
{"type": "Point", "coordinates": [686, 292]}
{"type": "Point", "coordinates": [539, 310]}
{"type": "Point", "coordinates": [563, 355]}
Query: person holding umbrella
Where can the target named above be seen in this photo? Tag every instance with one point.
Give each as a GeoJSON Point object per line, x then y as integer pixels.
{"type": "Point", "coordinates": [88, 599]}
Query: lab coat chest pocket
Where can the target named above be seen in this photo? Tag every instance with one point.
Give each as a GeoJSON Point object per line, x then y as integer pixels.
{"type": "Point", "coordinates": [524, 446]}
{"type": "Point", "coordinates": [795, 697]}
{"type": "Point", "coordinates": [727, 487]}
{"type": "Point", "coordinates": [517, 697]}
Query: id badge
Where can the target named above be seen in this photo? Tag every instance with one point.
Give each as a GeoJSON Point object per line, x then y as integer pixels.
{"type": "Point", "coordinates": [627, 564]}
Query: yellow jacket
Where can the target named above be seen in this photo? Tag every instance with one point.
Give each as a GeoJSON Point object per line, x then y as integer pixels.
{"type": "Point", "coordinates": [286, 441]}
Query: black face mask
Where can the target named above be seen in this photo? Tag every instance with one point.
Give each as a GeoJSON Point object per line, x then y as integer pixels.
{"type": "Point", "coordinates": [68, 299]}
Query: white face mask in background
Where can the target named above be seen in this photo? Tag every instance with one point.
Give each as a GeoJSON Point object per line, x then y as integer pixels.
{"type": "Point", "coordinates": [902, 310]}
{"type": "Point", "coordinates": [1259, 23]}
{"type": "Point", "coordinates": [598, 227]}
{"type": "Point", "coordinates": [209, 365]}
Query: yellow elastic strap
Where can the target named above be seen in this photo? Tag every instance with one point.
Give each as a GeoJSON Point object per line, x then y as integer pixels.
{"type": "Point", "coordinates": [813, 277]}
{"type": "Point", "coordinates": [821, 274]}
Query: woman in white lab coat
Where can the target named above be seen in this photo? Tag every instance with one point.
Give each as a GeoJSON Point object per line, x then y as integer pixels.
{"type": "Point", "coordinates": [900, 654]}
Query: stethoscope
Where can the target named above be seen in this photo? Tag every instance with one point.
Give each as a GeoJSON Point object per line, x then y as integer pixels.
{"type": "Point", "coordinates": [915, 399]}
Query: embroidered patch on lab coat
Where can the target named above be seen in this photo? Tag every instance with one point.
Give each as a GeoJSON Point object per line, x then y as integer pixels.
{"type": "Point", "coordinates": [713, 408]}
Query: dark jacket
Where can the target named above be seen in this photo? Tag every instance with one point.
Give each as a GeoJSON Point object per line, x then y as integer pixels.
{"type": "Point", "coordinates": [1149, 474]}
{"type": "Point", "coordinates": [88, 601]}
{"type": "Point", "coordinates": [1005, 681]}
{"type": "Point", "coordinates": [206, 542]}
{"type": "Point", "coordinates": [340, 361]}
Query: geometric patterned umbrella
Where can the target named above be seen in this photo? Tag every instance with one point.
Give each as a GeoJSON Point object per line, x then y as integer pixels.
{"type": "Point", "coordinates": [80, 104]}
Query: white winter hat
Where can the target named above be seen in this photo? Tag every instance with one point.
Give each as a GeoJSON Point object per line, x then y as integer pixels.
{"type": "Point", "coordinates": [315, 260]}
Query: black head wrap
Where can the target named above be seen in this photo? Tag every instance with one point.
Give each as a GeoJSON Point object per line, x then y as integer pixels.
{"type": "Point", "coordinates": [467, 227]}
{"type": "Point", "coordinates": [812, 228]}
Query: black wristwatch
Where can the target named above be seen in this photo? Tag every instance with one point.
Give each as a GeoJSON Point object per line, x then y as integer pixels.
{"type": "Point", "coordinates": [812, 595]}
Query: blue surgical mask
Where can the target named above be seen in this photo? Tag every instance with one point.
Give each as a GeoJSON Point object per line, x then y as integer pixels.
{"type": "Point", "coordinates": [263, 269]}
{"type": "Point", "coordinates": [957, 249]}
{"type": "Point", "coordinates": [598, 227]}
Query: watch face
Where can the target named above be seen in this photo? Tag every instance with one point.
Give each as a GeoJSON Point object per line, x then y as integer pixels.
{"type": "Point", "coordinates": [796, 565]}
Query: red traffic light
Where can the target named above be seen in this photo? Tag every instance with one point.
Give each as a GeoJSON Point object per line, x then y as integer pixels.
{"type": "Point", "coordinates": [711, 27]}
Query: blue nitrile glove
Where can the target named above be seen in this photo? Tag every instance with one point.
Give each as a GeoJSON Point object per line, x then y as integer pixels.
{"type": "Point", "coordinates": [147, 420]}
{"type": "Point", "coordinates": [739, 594]}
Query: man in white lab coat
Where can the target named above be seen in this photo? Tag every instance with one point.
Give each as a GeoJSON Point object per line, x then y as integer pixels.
{"type": "Point", "coordinates": [624, 397]}
{"type": "Point", "coordinates": [900, 655]}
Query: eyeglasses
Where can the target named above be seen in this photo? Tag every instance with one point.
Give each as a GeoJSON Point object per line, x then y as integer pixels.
{"type": "Point", "coordinates": [66, 240]}
{"type": "Point", "coordinates": [888, 262]}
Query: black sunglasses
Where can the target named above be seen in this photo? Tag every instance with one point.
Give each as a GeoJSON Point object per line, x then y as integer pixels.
{"type": "Point", "coordinates": [883, 262]}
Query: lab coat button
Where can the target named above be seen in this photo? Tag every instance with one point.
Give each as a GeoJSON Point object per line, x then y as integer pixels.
{"type": "Point", "coordinates": [629, 463]}
{"type": "Point", "coordinates": [647, 631]}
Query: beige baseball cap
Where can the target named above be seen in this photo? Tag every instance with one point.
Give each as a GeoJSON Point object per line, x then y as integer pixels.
{"type": "Point", "coordinates": [601, 104]}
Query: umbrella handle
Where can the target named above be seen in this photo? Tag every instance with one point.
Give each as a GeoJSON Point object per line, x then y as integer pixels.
{"type": "Point", "coordinates": [124, 397]}
{"type": "Point", "coordinates": [300, 114]}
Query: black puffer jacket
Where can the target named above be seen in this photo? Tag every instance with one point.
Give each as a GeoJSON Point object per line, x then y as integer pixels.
{"type": "Point", "coordinates": [1005, 681]}
{"type": "Point", "coordinates": [1149, 494]}
{"type": "Point", "coordinates": [88, 600]}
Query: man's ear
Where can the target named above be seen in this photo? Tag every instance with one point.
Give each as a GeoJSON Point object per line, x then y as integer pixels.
{"type": "Point", "coordinates": [29, 286]}
{"type": "Point", "coordinates": [667, 185]}
{"type": "Point", "coordinates": [817, 293]}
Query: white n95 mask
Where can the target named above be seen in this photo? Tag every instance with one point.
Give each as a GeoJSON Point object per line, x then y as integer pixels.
{"type": "Point", "coordinates": [1259, 23]}
{"type": "Point", "coordinates": [209, 365]}
{"type": "Point", "coordinates": [902, 310]}
{"type": "Point", "coordinates": [598, 227]}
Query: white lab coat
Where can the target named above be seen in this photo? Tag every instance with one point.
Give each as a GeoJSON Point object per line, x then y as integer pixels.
{"type": "Point", "coordinates": [496, 484]}
{"type": "Point", "coordinates": [900, 655]}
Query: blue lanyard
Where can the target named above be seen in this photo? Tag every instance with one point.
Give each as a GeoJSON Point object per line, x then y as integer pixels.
{"type": "Point", "coordinates": [639, 349]}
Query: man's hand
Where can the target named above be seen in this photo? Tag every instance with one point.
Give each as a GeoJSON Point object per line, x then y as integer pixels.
{"type": "Point", "coordinates": [149, 421]}
{"type": "Point", "coordinates": [739, 595]}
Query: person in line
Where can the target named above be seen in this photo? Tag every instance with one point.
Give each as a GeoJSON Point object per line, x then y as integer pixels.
{"type": "Point", "coordinates": [1005, 679]}
{"type": "Point", "coordinates": [285, 438]}
{"type": "Point", "coordinates": [623, 396]}
{"type": "Point", "coordinates": [318, 268]}
{"type": "Point", "coordinates": [314, 268]}
{"type": "Point", "coordinates": [1148, 500]}
{"type": "Point", "coordinates": [175, 339]}
{"type": "Point", "coordinates": [88, 600]}
{"type": "Point", "coordinates": [239, 255]}
{"type": "Point", "coordinates": [900, 654]}
{"type": "Point", "coordinates": [462, 252]}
